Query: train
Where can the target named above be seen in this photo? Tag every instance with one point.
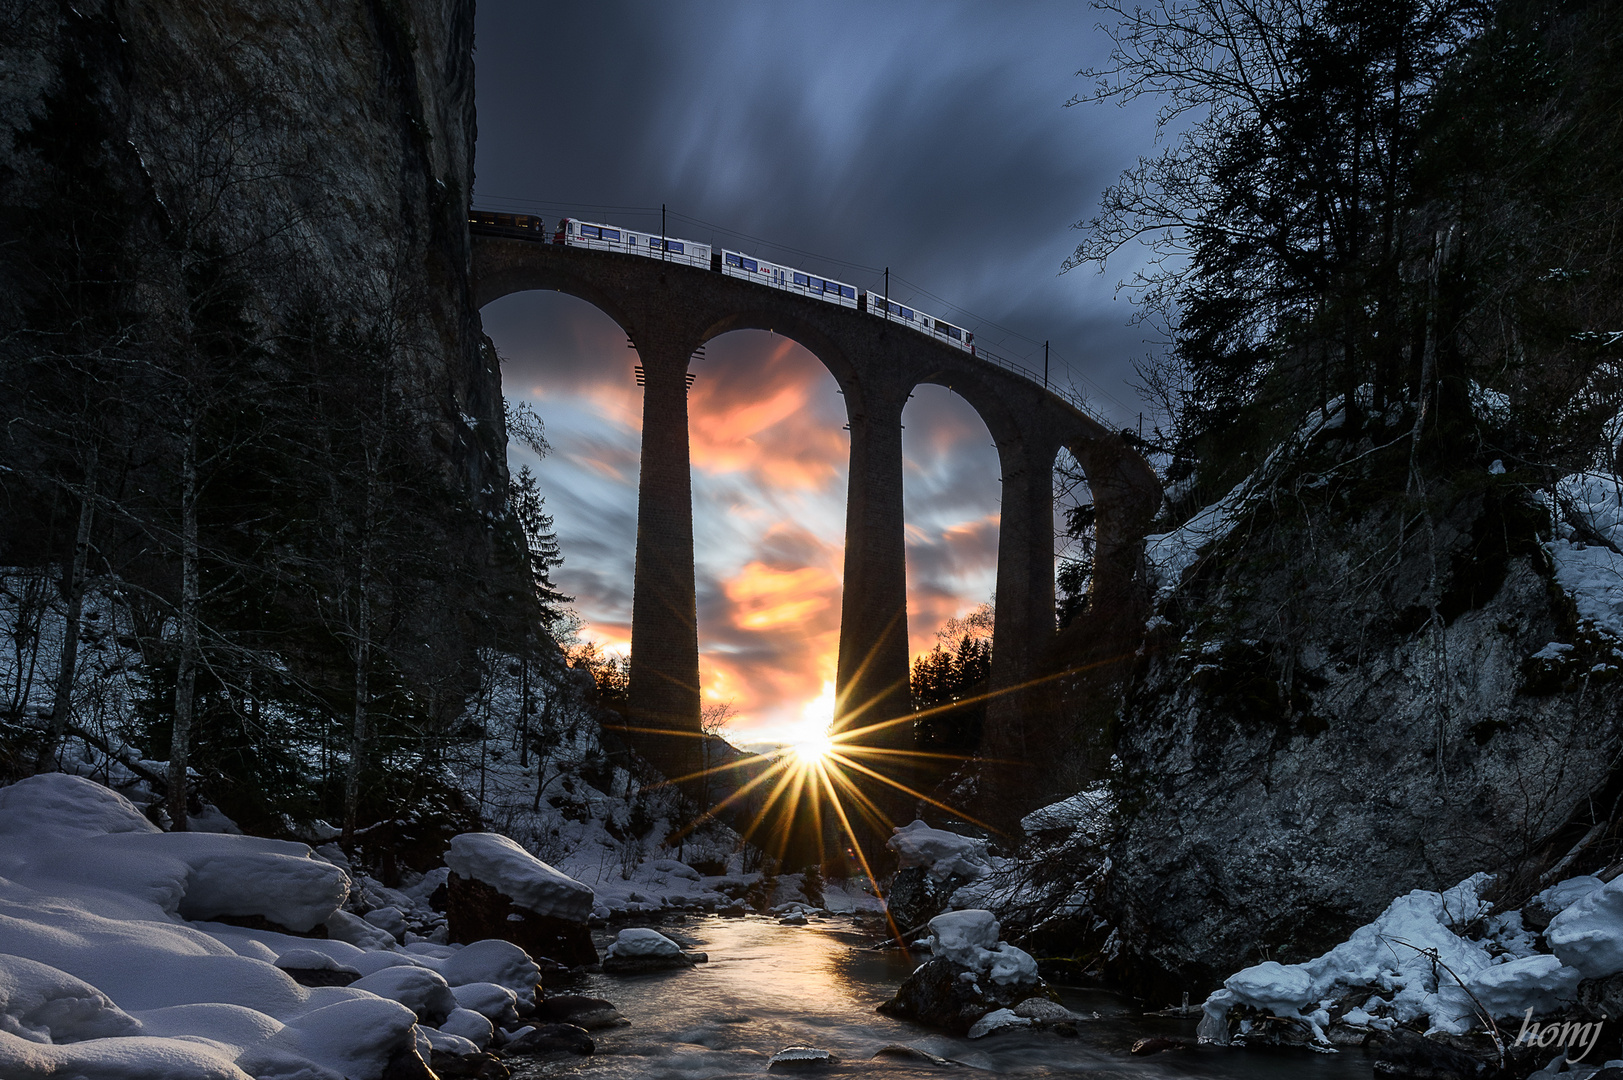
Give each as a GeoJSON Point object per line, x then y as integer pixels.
{"type": "Point", "coordinates": [598, 236]}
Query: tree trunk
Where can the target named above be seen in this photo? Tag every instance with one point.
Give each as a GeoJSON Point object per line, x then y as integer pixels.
{"type": "Point", "coordinates": [73, 589]}
{"type": "Point", "coordinates": [186, 672]}
{"type": "Point", "coordinates": [363, 660]}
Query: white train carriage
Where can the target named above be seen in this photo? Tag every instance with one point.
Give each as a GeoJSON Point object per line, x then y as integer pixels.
{"type": "Point", "coordinates": [736, 264]}
{"type": "Point", "coordinates": [939, 329]}
{"type": "Point", "coordinates": [600, 237]}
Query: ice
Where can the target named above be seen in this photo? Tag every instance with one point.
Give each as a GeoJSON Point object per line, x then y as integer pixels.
{"type": "Point", "coordinates": [970, 939]}
{"type": "Point", "coordinates": [1588, 935]}
{"type": "Point", "coordinates": [942, 853]}
{"type": "Point", "coordinates": [997, 1018]}
{"type": "Point", "coordinates": [1542, 983]}
{"type": "Point", "coordinates": [514, 872]}
{"type": "Point", "coordinates": [42, 1004]}
{"type": "Point", "coordinates": [635, 941]}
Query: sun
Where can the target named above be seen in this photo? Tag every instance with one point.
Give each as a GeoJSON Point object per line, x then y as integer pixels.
{"type": "Point", "coordinates": [813, 748]}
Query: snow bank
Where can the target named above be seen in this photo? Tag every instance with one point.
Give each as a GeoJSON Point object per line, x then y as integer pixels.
{"type": "Point", "coordinates": [508, 868]}
{"type": "Point", "coordinates": [1590, 573]}
{"type": "Point", "coordinates": [1416, 963]}
{"type": "Point", "coordinates": [1588, 934]}
{"type": "Point", "coordinates": [101, 977]}
{"type": "Point", "coordinates": [942, 853]}
{"type": "Point", "coordinates": [970, 939]}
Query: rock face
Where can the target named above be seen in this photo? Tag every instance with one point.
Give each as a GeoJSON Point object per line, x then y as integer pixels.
{"type": "Point", "coordinates": [318, 157]}
{"type": "Point", "coordinates": [474, 911]}
{"type": "Point", "coordinates": [1339, 705]}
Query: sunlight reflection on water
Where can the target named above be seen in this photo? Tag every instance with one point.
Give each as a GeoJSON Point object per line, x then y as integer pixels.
{"type": "Point", "coordinates": [769, 986]}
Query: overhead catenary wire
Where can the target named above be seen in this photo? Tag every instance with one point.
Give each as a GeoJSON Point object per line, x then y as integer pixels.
{"type": "Point", "coordinates": [978, 322]}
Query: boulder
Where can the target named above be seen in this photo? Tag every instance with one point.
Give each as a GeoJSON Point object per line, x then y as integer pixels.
{"type": "Point", "coordinates": [971, 974]}
{"type": "Point", "coordinates": [475, 911]}
{"type": "Point", "coordinates": [552, 1039]}
{"type": "Point", "coordinates": [586, 1012]}
{"type": "Point", "coordinates": [638, 951]}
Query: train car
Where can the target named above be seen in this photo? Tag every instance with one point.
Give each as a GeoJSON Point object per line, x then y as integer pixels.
{"type": "Point", "coordinates": [939, 329]}
{"type": "Point", "coordinates": [736, 264]}
{"type": "Point", "coordinates": [528, 224]}
{"type": "Point", "coordinates": [600, 237]}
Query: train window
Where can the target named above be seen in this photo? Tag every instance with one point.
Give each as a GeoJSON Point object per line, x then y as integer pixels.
{"type": "Point", "coordinates": [907, 314]}
{"type": "Point", "coordinates": [802, 279]}
{"type": "Point", "coordinates": [611, 234]}
{"type": "Point", "coordinates": [674, 245]}
{"type": "Point", "coordinates": [590, 230]}
{"type": "Point", "coordinates": [848, 292]}
{"type": "Point", "coordinates": [955, 333]}
{"type": "Point", "coordinates": [751, 265]}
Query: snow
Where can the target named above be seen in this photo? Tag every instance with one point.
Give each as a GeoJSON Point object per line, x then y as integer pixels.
{"type": "Point", "coordinates": [970, 939]}
{"type": "Point", "coordinates": [514, 872]}
{"type": "Point", "coordinates": [942, 853]}
{"type": "Point", "coordinates": [634, 941]}
{"type": "Point", "coordinates": [1412, 951]}
{"type": "Point", "coordinates": [1562, 895]}
{"type": "Point", "coordinates": [424, 992]}
{"type": "Point", "coordinates": [1591, 573]}
{"type": "Point", "coordinates": [467, 1024]}
{"type": "Point", "coordinates": [1170, 554]}
{"type": "Point", "coordinates": [1542, 983]}
{"type": "Point", "coordinates": [44, 1005]}
{"type": "Point", "coordinates": [1588, 934]}
{"type": "Point", "coordinates": [492, 961]}
{"type": "Point", "coordinates": [496, 1003]}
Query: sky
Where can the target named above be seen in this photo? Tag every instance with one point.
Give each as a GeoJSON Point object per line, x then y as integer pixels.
{"type": "Point", "coordinates": [842, 138]}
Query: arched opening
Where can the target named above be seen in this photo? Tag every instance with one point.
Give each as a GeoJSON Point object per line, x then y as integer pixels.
{"type": "Point", "coordinates": [1075, 534]}
{"type": "Point", "coordinates": [769, 457]}
{"type": "Point", "coordinates": [569, 362]}
{"type": "Point", "coordinates": [953, 507]}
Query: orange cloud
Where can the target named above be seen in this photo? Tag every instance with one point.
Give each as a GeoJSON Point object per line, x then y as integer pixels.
{"type": "Point", "coordinates": [766, 599]}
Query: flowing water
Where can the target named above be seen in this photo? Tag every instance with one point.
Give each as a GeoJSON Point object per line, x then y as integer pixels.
{"type": "Point", "coordinates": [769, 986]}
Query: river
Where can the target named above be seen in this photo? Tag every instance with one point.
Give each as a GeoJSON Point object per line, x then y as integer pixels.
{"type": "Point", "coordinates": [769, 986]}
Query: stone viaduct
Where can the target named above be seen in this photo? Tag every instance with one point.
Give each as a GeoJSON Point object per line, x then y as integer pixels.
{"type": "Point", "coordinates": [668, 311]}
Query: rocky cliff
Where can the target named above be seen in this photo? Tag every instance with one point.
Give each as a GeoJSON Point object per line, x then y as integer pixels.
{"type": "Point", "coordinates": [1350, 691]}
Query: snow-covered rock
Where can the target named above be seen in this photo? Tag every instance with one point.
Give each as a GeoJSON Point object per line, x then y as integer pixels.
{"type": "Point", "coordinates": [1541, 983]}
{"type": "Point", "coordinates": [969, 939]}
{"type": "Point", "coordinates": [492, 961]}
{"type": "Point", "coordinates": [635, 950]}
{"type": "Point", "coordinates": [509, 869]}
{"type": "Point", "coordinates": [42, 1004]}
{"type": "Point", "coordinates": [940, 852]}
{"type": "Point", "coordinates": [496, 1003]}
{"type": "Point", "coordinates": [1588, 934]}
{"type": "Point", "coordinates": [424, 992]}
{"type": "Point", "coordinates": [1411, 951]}
{"type": "Point", "coordinates": [469, 1025]}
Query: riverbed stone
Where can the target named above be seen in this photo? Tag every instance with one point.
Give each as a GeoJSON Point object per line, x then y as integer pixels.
{"type": "Point", "coordinates": [552, 1039]}
{"type": "Point", "coordinates": [475, 911]}
{"type": "Point", "coordinates": [792, 1058]}
{"type": "Point", "coordinates": [939, 994]}
{"type": "Point", "coordinates": [585, 1012]}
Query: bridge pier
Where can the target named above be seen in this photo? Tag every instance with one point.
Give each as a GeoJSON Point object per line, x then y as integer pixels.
{"type": "Point", "coordinates": [1024, 624]}
{"type": "Point", "coordinates": [663, 695]}
{"type": "Point", "coordinates": [872, 695]}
